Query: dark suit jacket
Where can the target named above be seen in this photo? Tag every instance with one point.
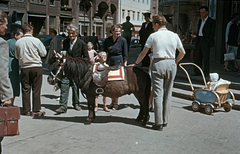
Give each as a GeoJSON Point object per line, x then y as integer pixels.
{"type": "Point", "coordinates": [233, 35]}
{"type": "Point", "coordinates": [79, 49]}
{"type": "Point", "coordinates": [145, 32]}
{"type": "Point", "coordinates": [208, 31]}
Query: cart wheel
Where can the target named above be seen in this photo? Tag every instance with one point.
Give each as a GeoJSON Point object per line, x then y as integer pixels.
{"type": "Point", "coordinates": [195, 106]}
{"type": "Point", "coordinates": [227, 107]}
{"type": "Point", "coordinates": [208, 109]}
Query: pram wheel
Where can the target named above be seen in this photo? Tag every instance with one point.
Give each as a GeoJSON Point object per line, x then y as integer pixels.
{"type": "Point", "coordinates": [195, 106]}
{"type": "Point", "coordinates": [208, 109]}
{"type": "Point", "coordinates": [227, 107]}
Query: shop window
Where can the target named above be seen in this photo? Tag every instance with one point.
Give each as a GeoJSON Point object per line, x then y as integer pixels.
{"type": "Point", "coordinates": [64, 3]}
{"type": "Point", "coordinates": [52, 2]}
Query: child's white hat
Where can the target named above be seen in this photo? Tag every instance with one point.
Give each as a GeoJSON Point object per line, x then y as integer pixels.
{"type": "Point", "coordinates": [214, 76]}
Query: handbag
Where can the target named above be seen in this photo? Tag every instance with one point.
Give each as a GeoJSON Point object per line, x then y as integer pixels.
{"type": "Point", "coordinates": [229, 56]}
{"type": "Point", "coordinates": [9, 117]}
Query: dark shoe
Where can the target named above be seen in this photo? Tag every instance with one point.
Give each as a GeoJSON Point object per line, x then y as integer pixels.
{"type": "Point", "coordinates": [110, 106]}
{"type": "Point", "coordinates": [164, 125]}
{"type": "Point", "coordinates": [157, 127]}
{"type": "Point", "coordinates": [60, 110]}
{"type": "Point", "coordinates": [115, 107]}
{"type": "Point", "coordinates": [77, 107]}
{"type": "Point", "coordinates": [27, 113]}
{"type": "Point", "coordinates": [39, 113]}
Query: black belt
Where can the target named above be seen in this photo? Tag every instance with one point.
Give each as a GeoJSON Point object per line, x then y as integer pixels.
{"type": "Point", "coordinates": [164, 58]}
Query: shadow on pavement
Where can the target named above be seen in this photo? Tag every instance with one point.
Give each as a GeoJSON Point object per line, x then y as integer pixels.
{"type": "Point", "coordinates": [50, 96]}
{"type": "Point", "coordinates": [98, 120]}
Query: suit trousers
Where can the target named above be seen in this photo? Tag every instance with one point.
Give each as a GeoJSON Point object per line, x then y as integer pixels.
{"type": "Point", "coordinates": [163, 73]}
{"type": "Point", "coordinates": [65, 85]}
{"type": "Point", "coordinates": [202, 53]}
{"type": "Point", "coordinates": [127, 36]}
{"type": "Point", "coordinates": [31, 79]}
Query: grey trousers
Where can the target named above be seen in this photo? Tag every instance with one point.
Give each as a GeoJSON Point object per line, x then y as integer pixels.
{"type": "Point", "coordinates": [163, 73]}
{"type": "Point", "coordinates": [65, 85]}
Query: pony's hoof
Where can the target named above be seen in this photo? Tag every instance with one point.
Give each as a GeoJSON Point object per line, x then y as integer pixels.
{"type": "Point", "coordinates": [87, 123]}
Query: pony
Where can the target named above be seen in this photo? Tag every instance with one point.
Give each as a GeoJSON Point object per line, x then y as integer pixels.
{"type": "Point", "coordinates": [80, 70]}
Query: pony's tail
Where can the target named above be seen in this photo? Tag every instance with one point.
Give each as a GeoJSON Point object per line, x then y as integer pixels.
{"type": "Point", "coordinates": [148, 87]}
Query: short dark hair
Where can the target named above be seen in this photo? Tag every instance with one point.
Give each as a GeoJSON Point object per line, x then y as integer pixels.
{"type": "Point", "coordinates": [203, 7]}
{"type": "Point", "coordinates": [127, 18]}
{"type": "Point", "coordinates": [3, 15]}
{"type": "Point", "coordinates": [54, 32]}
{"type": "Point", "coordinates": [27, 28]}
{"type": "Point", "coordinates": [16, 32]}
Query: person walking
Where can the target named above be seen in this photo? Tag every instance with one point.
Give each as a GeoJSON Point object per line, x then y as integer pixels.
{"type": "Point", "coordinates": [144, 33]}
{"type": "Point", "coordinates": [5, 84]}
{"type": "Point", "coordinates": [13, 63]}
{"type": "Point", "coordinates": [75, 47]}
{"type": "Point", "coordinates": [28, 51]}
{"type": "Point", "coordinates": [232, 44]}
{"type": "Point", "coordinates": [127, 30]}
{"type": "Point", "coordinates": [163, 69]}
{"type": "Point", "coordinates": [116, 48]}
{"type": "Point", "coordinates": [204, 41]}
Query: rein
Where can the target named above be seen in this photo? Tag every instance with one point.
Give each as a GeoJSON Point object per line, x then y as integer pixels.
{"type": "Point", "coordinates": [55, 76]}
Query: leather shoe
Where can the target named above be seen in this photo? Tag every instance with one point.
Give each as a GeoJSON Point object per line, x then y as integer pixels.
{"type": "Point", "coordinates": [157, 127]}
{"type": "Point", "coordinates": [27, 113]}
{"type": "Point", "coordinates": [77, 107]}
{"type": "Point", "coordinates": [39, 113]}
{"type": "Point", "coordinates": [60, 110]}
{"type": "Point", "coordinates": [164, 125]}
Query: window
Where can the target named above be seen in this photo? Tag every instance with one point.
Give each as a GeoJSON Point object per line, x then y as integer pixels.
{"type": "Point", "coordinates": [147, 1]}
{"type": "Point", "coordinates": [138, 16]}
{"type": "Point", "coordinates": [143, 1]}
{"type": "Point", "coordinates": [138, 0]}
{"type": "Point", "coordinates": [128, 13]}
{"type": "Point", "coordinates": [133, 15]}
{"type": "Point", "coordinates": [51, 2]}
{"type": "Point", "coordinates": [123, 14]}
{"type": "Point", "coordinates": [154, 10]}
{"type": "Point", "coordinates": [64, 2]}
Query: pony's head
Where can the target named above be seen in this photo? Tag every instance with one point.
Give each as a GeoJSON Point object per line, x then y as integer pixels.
{"type": "Point", "coordinates": [56, 75]}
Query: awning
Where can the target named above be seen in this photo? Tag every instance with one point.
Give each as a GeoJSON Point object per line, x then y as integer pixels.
{"type": "Point", "coordinates": [37, 15]}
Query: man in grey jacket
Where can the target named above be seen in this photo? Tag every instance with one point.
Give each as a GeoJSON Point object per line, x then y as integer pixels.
{"type": "Point", "coordinates": [28, 51]}
{"type": "Point", "coordinates": [5, 86]}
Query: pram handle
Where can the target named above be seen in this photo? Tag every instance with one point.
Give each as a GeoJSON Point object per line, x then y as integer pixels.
{"type": "Point", "coordinates": [204, 80]}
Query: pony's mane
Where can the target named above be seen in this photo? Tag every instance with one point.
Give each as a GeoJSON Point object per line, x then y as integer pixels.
{"type": "Point", "coordinates": [76, 68]}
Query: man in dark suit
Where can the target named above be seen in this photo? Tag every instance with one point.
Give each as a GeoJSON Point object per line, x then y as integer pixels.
{"type": "Point", "coordinates": [144, 33]}
{"type": "Point", "coordinates": [204, 40]}
{"type": "Point", "coordinates": [75, 47]}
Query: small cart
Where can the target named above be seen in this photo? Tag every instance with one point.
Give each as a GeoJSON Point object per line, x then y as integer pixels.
{"type": "Point", "coordinates": [208, 99]}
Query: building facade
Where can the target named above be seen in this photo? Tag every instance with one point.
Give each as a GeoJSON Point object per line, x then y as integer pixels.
{"type": "Point", "coordinates": [89, 15]}
{"type": "Point", "coordinates": [184, 16]}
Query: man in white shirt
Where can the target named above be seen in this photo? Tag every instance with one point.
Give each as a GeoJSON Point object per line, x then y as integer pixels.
{"type": "Point", "coordinates": [204, 40]}
{"type": "Point", "coordinates": [28, 51]}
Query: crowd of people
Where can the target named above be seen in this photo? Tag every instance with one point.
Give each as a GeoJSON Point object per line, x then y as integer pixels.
{"type": "Point", "coordinates": [26, 50]}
